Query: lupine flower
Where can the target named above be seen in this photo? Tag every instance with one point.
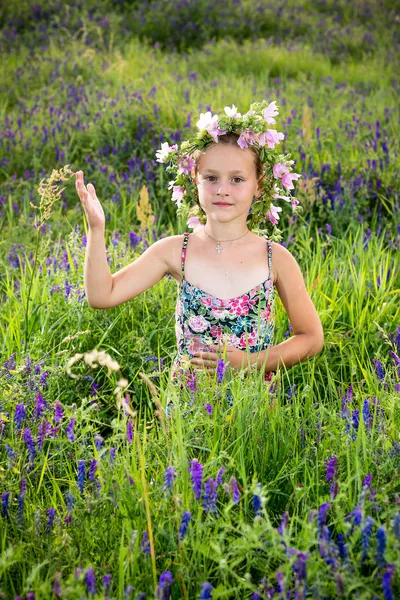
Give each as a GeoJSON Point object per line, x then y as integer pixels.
{"type": "Point", "coordinates": [169, 477]}
{"type": "Point", "coordinates": [221, 368]}
{"type": "Point", "coordinates": [218, 479]}
{"type": "Point", "coordinates": [381, 547]}
{"type": "Point", "coordinates": [187, 515]}
{"type": "Point", "coordinates": [210, 495]}
{"type": "Point", "coordinates": [257, 503]}
{"type": "Point", "coordinates": [209, 408]}
{"type": "Point", "coordinates": [196, 469]}
{"type": "Point", "coordinates": [206, 591]}
{"type": "Point", "coordinates": [387, 583]}
{"type": "Point", "coordinates": [19, 415]}
{"type": "Point", "coordinates": [235, 491]}
{"type": "Point", "coordinates": [40, 405]}
{"type": "Point", "coordinates": [81, 475]}
{"type": "Point", "coordinates": [51, 513]}
{"type": "Point", "coordinates": [57, 585]}
{"type": "Point", "coordinates": [378, 368]}
{"type": "Point", "coordinates": [145, 543]}
{"type": "Point", "coordinates": [163, 588]}
{"type": "Point", "coordinates": [129, 431]}
{"type": "Point", "coordinates": [365, 537]}
{"type": "Point", "coordinates": [92, 470]}
{"type": "Point", "coordinates": [30, 444]}
{"type": "Point", "coordinates": [343, 548]}
{"type": "Point", "coordinates": [355, 419]}
{"type": "Point", "coordinates": [4, 503]}
{"type": "Point", "coordinates": [70, 429]}
{"type": "Point", "coordinates": [106, 583]}
{"type": "Point", "coordinates": [357, 515]}
{"type": "Point", "coordinates": [58, 412]}
{"type": "Point", "coordinates": [90, 581]}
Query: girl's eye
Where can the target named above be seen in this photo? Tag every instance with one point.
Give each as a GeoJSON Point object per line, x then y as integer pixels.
{"type": "Point", "coordinates": [213, 177]}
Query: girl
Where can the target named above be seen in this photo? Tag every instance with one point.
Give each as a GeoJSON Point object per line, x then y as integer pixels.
{"type": "Point", "coordinates": [226, 180]}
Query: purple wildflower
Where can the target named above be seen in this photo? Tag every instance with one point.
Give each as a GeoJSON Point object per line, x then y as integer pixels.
{"type": "Point", "coordinates": [129, 431]}
{"type": "Point", "coordinates": [70, 429]}
{"type": "Point", "coordinates": [163, 589]}
{"type": "Point", "coordinates": [30, 596]}
{"type": "Point", "coordinates": [396, 526]}
{"type": "Point", "coordinates": [40, 405]}
{"type": "Point", "coordinates": [299, 567]}
{"type": "Point", "coordinates": [4, 503]}
{"type": "Point", "coordinates": [206, 591]}
{"type": "Point", "coordinates": [221, 368]}
{"type": "Point", "coordinates": [92, 470]}
{"type": "Point", "coordinates": [30, 444]}
{"type": "Point", "coordinates": [19, 415]}
{"type": "Point", "coordinates": [235, 491]}
{"type": "Point", "coordinates": [58, 412]}
{"type": "Point", "coordinates": [169, 478]}
{"type": "Point", "coordinates": [367, 482]}
{"type": "Point", "coordinates": [355, 419]}
{"type": "Point", "coordinates": [106, 583]}
{"type": "Point", "coordinates": [57, 585]}
{"type": "Point", "coordinates": [210, 495]}
{"type": "Point", "coordinates": [331, 466]}
{"type": "Point", "coordinates": [112, 457]}
{"type": "Point", "coordinates": [280, 578]}
{"type": "Point", "coordinates": [98, 442]}
{"type": "Point", "coordinates": [209, 408]}
{"type": "Point", "coordinates": [387, 583]}
{"type": "Point", "coordinates": [257, 503]}
{"type": "Point", "coordinates": [284, 523]}
{"type": "Point", "coordinates": [145, 546]}
{"type": "Point", "coordinates": [218, 479]}
{"type": "Point", "coordinates": [44, 429]}
{"type": "Point", "coordinates": [322, 512]}
{"type": "Point", "coordinates": [51, 513]}
{"type": "Point", "coordinates": [187, 515]}
{"type": "Point", "coordinates": [367, 415]}
{"type": "Point", "coordinates": [196, 469]}
{"type": "Point", "coordinates": [365, 537]}
{"type": "Point", "coordinates": [343, 548]}
{"type": "Point", "coordinates": [90, 581]}
{"type": "Point", "coordinates": [381, 547]}
{"type": "Point", "coordinates": [81, 475]}
{"type": "Point", "coordinates": [378, 368]}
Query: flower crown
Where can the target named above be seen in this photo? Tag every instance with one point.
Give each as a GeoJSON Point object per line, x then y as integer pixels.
{"type": "Point", "coordinates": [253, 130]}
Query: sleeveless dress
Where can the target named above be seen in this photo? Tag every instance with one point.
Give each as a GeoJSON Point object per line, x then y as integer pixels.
{"type": "Point", "coordinates": [201, 319]}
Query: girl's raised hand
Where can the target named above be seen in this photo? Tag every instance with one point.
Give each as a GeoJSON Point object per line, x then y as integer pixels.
{"type": "Point", "coordinates": [91, 204]}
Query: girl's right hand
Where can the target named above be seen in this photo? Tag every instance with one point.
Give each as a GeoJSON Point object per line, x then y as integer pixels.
{"type": "Point", "coordinates": [91, 204]}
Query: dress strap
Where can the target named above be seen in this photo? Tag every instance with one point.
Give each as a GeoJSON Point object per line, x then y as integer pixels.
{"type": "Point", "coordinates": [269, 244]}
{"type": "Point", "coordinates": [183, 255]}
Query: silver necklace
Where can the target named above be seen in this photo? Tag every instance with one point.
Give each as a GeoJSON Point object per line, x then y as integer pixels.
{"type": "Point", "coordinates": [218, 246]}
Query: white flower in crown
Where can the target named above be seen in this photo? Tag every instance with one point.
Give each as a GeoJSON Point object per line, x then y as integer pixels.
{"type": "Point", "coordinates": [165, 150]}
{"type": "Point", "coordinates": [210, 124]}
{"type": "Point", "coordinates": [269, 112]}
{"type": "Point", "coordinates": [231, 112]}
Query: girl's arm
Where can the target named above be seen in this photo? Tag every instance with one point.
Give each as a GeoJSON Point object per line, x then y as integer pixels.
{"type": "Point", "coordinates": [308, 338]}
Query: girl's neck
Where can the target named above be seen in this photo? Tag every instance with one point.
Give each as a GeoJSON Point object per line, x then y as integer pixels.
{"type": "Point", "coordinates": [225, 231]}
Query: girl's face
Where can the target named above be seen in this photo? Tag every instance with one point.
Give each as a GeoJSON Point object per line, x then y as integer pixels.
{"type": "Point", "coordinates": [226, 174]}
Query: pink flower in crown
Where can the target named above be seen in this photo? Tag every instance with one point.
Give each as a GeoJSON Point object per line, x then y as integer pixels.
{"type": "Point", "coordinates": [288, 178]}
{"type": "Point", "coordinates": [247, 137]}
{"type": "Point", "coordinates": [271, 137]}
{"type": "Point", "coordinates": [165, 150]}
{"type": "Point", "coordinates": [272, 214]}
{"type": "Point", "coordinates": [194, 223]}
{"type": "Point", "coordinates": [177, 193]}
{"type": "Point", "coordinates": [295, 202]}
{"type": "Point", "coordinates": [269, 112]}
{"type": "Point", "coordinates": [279, 169]}
{"type": "Point", "coordinates": [198, 323]}
{"type": "Point", "coordinates": [185, 165]}
{"type": "Point", "coordinates": [210, 124]}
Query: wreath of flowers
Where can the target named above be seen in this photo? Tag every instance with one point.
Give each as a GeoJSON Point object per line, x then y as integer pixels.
{"type": "Point", "coordinates": [253, 130]}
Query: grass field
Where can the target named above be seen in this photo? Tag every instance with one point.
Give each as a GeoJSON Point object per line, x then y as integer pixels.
{"type": "Point", "coordinates": [297, 498]}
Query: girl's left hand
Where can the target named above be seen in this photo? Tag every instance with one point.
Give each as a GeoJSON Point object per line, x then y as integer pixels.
{"type": "Point", "coordinates": [235, 358]}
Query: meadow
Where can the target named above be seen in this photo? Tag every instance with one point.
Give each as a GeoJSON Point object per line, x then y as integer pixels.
{"type": "Point", "coordinates": [291, 493]}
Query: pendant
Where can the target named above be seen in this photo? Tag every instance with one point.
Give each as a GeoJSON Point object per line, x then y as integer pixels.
{"type": "Point", "coordinates": [218, 248]}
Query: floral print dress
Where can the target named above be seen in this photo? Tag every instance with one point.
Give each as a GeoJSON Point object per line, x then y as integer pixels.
{"type": "Point", "coordinates": [202, 319]}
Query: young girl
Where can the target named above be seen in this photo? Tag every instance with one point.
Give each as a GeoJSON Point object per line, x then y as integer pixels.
{"type": "Point", "coordinates": [226, 180]}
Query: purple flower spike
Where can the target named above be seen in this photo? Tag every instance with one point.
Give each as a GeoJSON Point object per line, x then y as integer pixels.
{"type": "Point", "coordinates": [196, 469]}
{"type": "Point", "coordinates": [169, 478]}
{"type": "Point", "coordinates": [209, 408]}
{"type": "Point", "coordinates": [367, 482]}
{"type": "Point", "coordinates": [129, 431]}
{"type": "Point", "coordinates": [58, 412]}
{"type": "Point", "coordinates": [206, 591]}
{"type": "Point", "coordinates": [187, 515]}
{"type": "Point", "coordinates": [284, 523]}
{"type": "Point", "coordinates": [331, 466]}
{"type": "Point", "coordinates": [145, 546]}
{"type": "Point", "coordinates": [210, 495]}
{"type": "Point", "coordinates": [81, 476]}
{"type": "Point", "coordinates": [51, 513]}
{"type": "Point", "coordinates": [70, 429]}
{"type": "Point", "coordinates": [90, 581]}
{"type": "Point", "coordinates": [106, 583]}
{"type": "Point", "coordinates": [257, 503]}
{"type": "Point", "coordinates": [19, 415]}
{"type": "Point", "coordinates": [30, 444]}
{"type": "Point", "coordinates": [378, 368]}
{"type": "Point", "coordinates": [218, 479]}
{"type": "Point", "coordinates": [365, 537]}
{"type": "Point", "coordinates": [381, 547]}
{"type": "Point", "coordinates": [322, 512]}
{"type": "Point", "coordinates": [235, 491]}
{"type": "Point", "coordinates": [4, 503]}
{"type": "Point", "coordinates": [57, 585]}
{"type": "Point", "coordinates": [387, 583]}
{"type": "Point", "coordinates": [221, 368]}
{"type": "Point", "coordinates": [92, 470]}
{"type": "Point", "coordinates": [163, 589]}
{"type": "Point", "coordinates": [396, 526]}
